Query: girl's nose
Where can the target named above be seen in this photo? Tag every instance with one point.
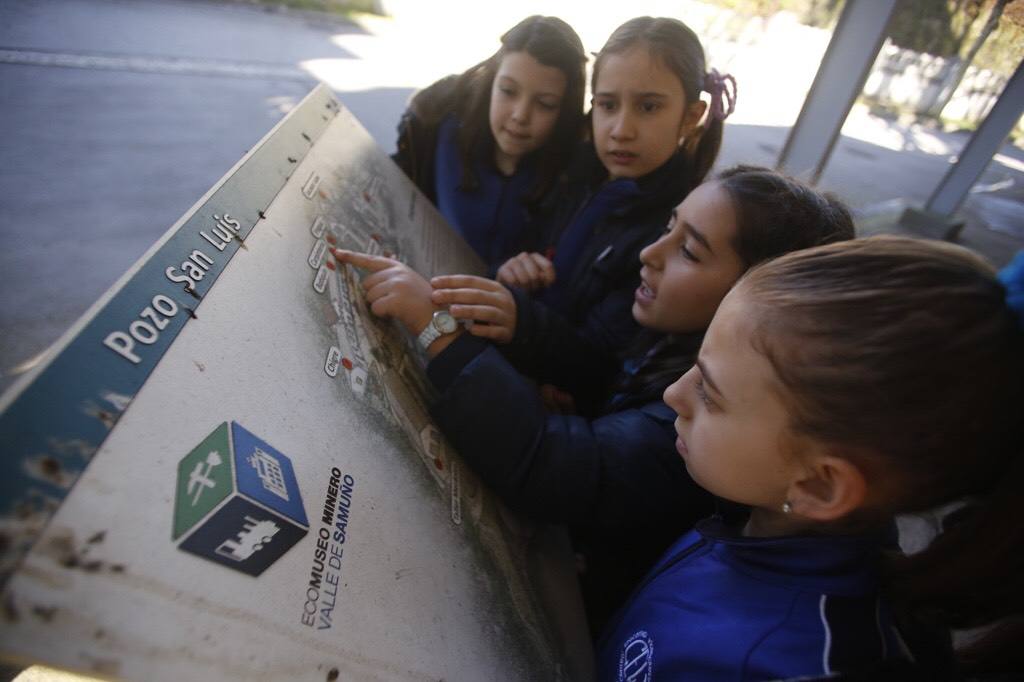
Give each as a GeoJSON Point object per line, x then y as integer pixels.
{"type": "Point", "coordinates": [521, 113]}
{"type": "Point", "coordinates": [677, 395]}
{"type": "Point", "coordinates": [623, 129]}
{"type": "Point", "coordinates": [650, 255]}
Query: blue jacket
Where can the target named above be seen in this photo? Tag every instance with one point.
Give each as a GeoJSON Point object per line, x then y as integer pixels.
{"type": "Point", "coordinates": [617, 480]}
{"type": "Point", "coordinates": [493, 217]}
{"type": "Point", "coordinates": [722, 607]}
{"type": "Point", "coordinates": [588, 316]}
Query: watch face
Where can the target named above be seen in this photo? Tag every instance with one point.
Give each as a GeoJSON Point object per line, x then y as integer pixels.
{"type": "Point", "coordinates": [444, 322]}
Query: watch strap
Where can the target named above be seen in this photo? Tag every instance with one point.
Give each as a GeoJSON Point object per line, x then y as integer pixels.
{"type": "Point", "coordinates": [428, 335]}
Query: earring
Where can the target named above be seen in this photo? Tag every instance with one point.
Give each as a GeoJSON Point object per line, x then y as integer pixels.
{"type": "Point", "coordinates": [786, 507]}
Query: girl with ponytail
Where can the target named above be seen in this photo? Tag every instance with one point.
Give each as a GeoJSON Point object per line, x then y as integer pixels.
{"type": "Point", "coordinates": [652, 141]}
{"type": "Point", "coordinates": [836, 388]}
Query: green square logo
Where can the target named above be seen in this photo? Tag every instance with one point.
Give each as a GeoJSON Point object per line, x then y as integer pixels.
{"type": "Point", "coordinates": [204, 480]}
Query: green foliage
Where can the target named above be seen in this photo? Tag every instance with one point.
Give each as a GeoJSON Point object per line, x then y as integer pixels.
{"type": "Point", "coordinates": [329, 6]}
{"type": "Point", "coordinates": [944, 28]}
{"type": "Point", "coordinates": [1004, 49]}
{"type": "Point", "coordinates": [947, 28]}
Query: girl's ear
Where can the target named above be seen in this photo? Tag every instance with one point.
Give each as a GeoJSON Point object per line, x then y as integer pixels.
{"type": "Point", "coordinates": [691, 117]}
{"type": "Point", "coordinates": [830, 488]}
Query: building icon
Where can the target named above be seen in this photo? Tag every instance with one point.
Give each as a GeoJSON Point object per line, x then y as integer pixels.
{"type": "Point", "coordinates": [237, 501]}
{"type": "Point", "coordinates": [269, 470]}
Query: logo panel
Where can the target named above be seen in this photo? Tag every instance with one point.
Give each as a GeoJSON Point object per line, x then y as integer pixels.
{"type": "Point", "coordinates": [637, 658]}
{"type": "Point", "coordinates": [243, 537]}
{"type": "Point", "coordinates": [204, 479]}
{"type": "Point", "coordinates": [266, 475]}
{"type": "Point", "coordinates": [237, 502]}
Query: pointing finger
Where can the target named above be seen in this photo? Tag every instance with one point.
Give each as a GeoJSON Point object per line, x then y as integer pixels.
{"type": "Point", "coordinates": [363, 260]}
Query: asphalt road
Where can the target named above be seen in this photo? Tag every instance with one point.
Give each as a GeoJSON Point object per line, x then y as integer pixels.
{"type": "Point", "coordinates": [118, 115]}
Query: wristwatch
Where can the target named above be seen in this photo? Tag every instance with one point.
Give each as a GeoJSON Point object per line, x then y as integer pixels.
{"type": "Point", "coordinates": [442, 323]}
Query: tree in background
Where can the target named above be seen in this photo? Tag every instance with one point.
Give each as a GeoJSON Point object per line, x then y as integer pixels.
{"type": "Point", "coordinates": [988, 34]}
{"type": "Point", "coordinates": [957, 66]}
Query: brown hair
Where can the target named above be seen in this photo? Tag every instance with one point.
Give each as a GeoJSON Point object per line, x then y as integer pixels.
{"type": "Point", "coordinates": [552, 42]}
{"type": "Point", "coordinates": [775, 214]}
{"type": "Point", "coordinates": [904, 356]}
{"type": "Point", "coordinates": [680, 50]}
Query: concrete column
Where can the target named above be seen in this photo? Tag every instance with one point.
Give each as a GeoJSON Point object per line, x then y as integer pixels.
{"type": "Point", "coordinates": [840, 79]}
{"type": "Point", "coordinates": [980, 149]}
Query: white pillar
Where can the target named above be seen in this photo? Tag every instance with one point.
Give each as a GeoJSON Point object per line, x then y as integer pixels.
{"type": "Point", "coordinates": [980, 149]}
{"type": "Point", "coordinates": [851, 53]}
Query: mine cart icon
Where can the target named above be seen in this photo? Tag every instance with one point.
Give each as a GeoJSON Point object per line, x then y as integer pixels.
{"type": "Point", "coordinates": [237, 501]}
{"type": "Point", "coordinates": [253, 537]}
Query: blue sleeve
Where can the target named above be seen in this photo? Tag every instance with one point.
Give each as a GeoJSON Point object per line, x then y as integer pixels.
{"type": "Point", "coordinates": [580, 359]}
{"type": "Point", "coordinates": [612, 472]}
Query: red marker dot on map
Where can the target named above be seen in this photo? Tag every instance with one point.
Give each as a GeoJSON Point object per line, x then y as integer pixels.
{"type": "Point", "coordinates": [330, 264]}
{"type": "Point", "coordinates": [346, 363]}
{"type": "Point", "coordinates": [375, 237]}
{"type": "Point", "coordinates": [323, 195]}
{"type": "Point", "coordinates": [439, 463]}
{"type": "Point", "coordinates": [330, 239]}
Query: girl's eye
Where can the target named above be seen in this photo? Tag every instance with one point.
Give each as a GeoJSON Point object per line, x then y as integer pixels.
{"type": "Point", "coordinates": [547, 106]}
{"type": "Point", "coordinates": [607, 105]}
{"type": "Point", "coordinates": [648, 107]}
{"type": "Point", "coordinates": [702, 394]}
{"type": "Point", "coordinates": [508, 92]}
{"type": "Point", "coordinates": [689, 255]}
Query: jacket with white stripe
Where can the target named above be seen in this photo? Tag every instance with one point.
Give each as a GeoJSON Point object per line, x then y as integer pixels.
{"type": "Point", "coordinates": [718, 606]}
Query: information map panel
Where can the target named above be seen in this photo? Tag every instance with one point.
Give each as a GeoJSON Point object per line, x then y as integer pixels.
{"type": "Point", "coordinates": [228, 469]}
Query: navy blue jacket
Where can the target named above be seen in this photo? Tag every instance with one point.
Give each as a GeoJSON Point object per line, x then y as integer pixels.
{"type": "Point", "coordinates": [590, 320]}
{"type": "Point", "coordinates": [617, 480]}
{"type": "Point", "coordinates": [722, 607]}
{"type": "Point", "coordinates": [495, 217]}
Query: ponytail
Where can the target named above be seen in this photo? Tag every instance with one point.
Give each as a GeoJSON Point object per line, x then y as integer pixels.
{"type": "Point", "coordinates": [723, 91]}
{"type": "Point", "coordinates": [972, 574]}
{"type": "Point", "coordinates": [905, 357]}
{"type": "Point", "coordinates": [704, 151]}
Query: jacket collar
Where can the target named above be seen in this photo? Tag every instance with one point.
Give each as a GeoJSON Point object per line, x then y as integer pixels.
{"type": "Point", "coordinates": [825, 563]}
{"type": "Point", "coordinates": [662, 188]}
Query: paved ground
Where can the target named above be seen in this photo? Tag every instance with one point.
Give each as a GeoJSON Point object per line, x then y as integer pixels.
{"type": "Point", "coordinates": [117, 117]}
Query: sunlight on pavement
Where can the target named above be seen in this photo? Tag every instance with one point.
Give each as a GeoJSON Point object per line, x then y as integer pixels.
{"type": "Point", "coordinates": [423, 42]}
{"type": "Point", "coordinates": [40, 673]}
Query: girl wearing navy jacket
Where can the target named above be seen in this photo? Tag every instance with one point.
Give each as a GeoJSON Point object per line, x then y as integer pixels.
{"type": "Point", "coordinates": [648, 150]}
{"type": "Point", "coordinates": [487, 145]}
{"type": "Point", "coordinates": [837, 387]}
{"type": "Point", "coordinates": [615, 477]}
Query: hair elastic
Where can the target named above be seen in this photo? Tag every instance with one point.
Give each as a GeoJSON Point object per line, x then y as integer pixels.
{"type": "Point", "coordinates": [1012, 277]}
{"type": "Point", "coordinates": [717, 85]}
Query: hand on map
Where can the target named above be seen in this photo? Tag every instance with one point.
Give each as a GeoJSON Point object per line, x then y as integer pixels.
{"type": "Point", "coordinates": [528, 271]}
{"type": "Point", "coordinates": [486, 303]}
{"type": "Point", "coordinates": [393, 289]}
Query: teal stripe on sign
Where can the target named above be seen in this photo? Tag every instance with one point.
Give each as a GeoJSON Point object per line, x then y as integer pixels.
{"type": "Point", "coordinates": [51, 429]}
